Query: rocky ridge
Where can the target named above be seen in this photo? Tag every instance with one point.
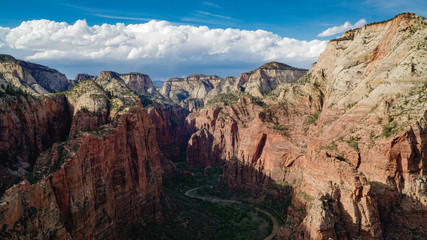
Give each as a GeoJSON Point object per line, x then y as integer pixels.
{"type": "Point", "coordinates": [31, 77]}
{"type": "Point", "coordinates": [348, 137]}
{"type": "Point", "coordinates": [108, 147]}
{"type": "Point", "coordinates": [197, 90]}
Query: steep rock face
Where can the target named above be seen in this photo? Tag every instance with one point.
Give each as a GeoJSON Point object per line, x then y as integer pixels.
{"type": "Point", "coordinates": [256, 140]}
{"type": "Point", "coordinates": [97, 184]}
{"type": "Point", "coordinates": [358, 165]}
{"type": "Point", "coordinates": [205, 88]}
{"type": "Point", "coordinates": [83, 76]}
{"type": "Point", "coordinates": [267, 77]}
{"type": "Point", "coordinates": [196, 86]}
{"type": "Point", "coordinates": [127, 84]}
{"type": "Point", "coordinates": [199, 149]}
{"type": "Point", "coordinates": [121, 183]}
{"type": "Point", "coordinates": [171, 134]}
{"type": "Point", "coordinates": [33, 212]}
{"type": "Point", "coordinates": [31, 77]}
{"type": "Point", "coordinates": [139, 82]}
{"type": "Point", "coordinates": [29, 126]}
{"type": "Point", "coordinates": [374, 105]}
{"type": "Point", "coordinates": [104, 177]}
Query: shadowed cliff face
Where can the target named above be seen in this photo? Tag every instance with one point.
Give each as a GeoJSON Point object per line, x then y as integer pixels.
{"type": "Point", "coordinates": [171, 133]}
{"type": "Point", "coordinates": [101, 174]}
{"type": "Point", "coordinates": [29, 126]}
{"type": "Point", "coordinates": [349, 137]}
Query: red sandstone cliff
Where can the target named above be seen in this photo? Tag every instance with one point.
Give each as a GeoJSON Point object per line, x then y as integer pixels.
{"type": "Point", "coordinates": [105, 177]}
{"type": "Point", "coordinates": [349, 138]}
{"type": "Point", "coordinates": [29, 126]}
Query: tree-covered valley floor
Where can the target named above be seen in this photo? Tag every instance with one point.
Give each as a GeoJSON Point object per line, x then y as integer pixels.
{"type": "Point", "coordinates": [193, 218]}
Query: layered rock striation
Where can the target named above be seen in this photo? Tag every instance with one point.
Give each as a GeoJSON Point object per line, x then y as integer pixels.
{"type": "Point", "coordinates": [104, 175]}
{"type": "Point", "coordinates": [348, 137]}
{"type": "Point", "coordinates": [28, 126]}
{"type": "Point", "coordinates": [31, 77]}
{"type": "Point", "coordinates": [198, 90]}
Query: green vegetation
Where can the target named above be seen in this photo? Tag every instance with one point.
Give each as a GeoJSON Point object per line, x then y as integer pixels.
{"type": "Point", "coordinates": [304, 195]}
{"type": "Point", "coordinates": [389, 129]}
{"type": "Point", "coordinates": [258, 101]}
{"type": "Point", "coordinates": [8, 89]}
{"type": "Point", "coordinates": [341, 158]}
{"type": "Point", "coordinates": [197, 219]}
{"type": "Point", "coordinates": [226, 98]}
{"type": "Point", "coordinates": [283, 183]}
{"type": "Point", "coordinates": [349, 37]}
{"type": "Point", "coordinates": [312, 118]}
{"type": "Point", "coordinates": [353, 142]}
{"type": "Point", "coordinates": [332, 146]}
{"type": "Point", "coordinates": [146, 101]}
{"type": "Point", "coordinates": [373, 23]}
{"type": "Point", "coordinates": [279, 128]}
{"type": "Point", "coordinates": [32, 177]}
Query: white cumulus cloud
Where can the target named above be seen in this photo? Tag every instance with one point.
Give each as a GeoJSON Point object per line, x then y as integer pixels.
{"type": "Point", "coordinates": [340, 29]}
{"type": "Point", "coordinates": [50, 40]}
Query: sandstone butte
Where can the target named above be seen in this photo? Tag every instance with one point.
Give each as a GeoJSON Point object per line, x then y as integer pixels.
{"type": "Point", "coordinates": [347, 139]}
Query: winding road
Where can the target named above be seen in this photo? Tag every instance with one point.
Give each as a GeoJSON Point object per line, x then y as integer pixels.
{"type": "Point", "coordinates": [276, 226]}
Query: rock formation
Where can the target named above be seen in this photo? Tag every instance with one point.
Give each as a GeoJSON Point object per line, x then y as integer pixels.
{"type": "Point", "coordinates": [31, 77]}
{"type": "Point", "coordinates": [29, 126]}
{"type": "Point", "coordinates": [189, 91]}
{"type": "Point", "coordinates": [104, 177]}
{"type": "Point", "coordinates": [266, 78]}
{"type": "Point", "coordinates": [349, 137]}
{"type": "Point", "coordinates": [197, 90]}
{"type": "Point", "coordinates": [172, 135]}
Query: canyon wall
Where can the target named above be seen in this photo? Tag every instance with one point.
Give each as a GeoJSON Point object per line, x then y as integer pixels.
{"type": "Point", "coordinates": [100, 178]}
{"type": "Point", "coordinates": [349, 137]}
{"type": "Point", "coordinates": [28, 126]}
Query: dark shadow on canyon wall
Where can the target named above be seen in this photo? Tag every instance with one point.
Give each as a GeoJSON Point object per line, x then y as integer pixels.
{"type": "Point", "coordinates": [400, 214]}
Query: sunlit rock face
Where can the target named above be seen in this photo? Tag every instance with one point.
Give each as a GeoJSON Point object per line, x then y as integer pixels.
{"type": "Point", "coordinates": [349, 137]}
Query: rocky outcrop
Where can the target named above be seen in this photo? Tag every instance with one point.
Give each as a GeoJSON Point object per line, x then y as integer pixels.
{"type": "Point", "coordinates": [349, 137]}
{"type": "Point", "coordinates": [83, 76]}
{"type": "Point", "coordinates": [372, 105]}
{"type": "Point", "coordinates": [105, 176]}
{"type": "Point", "coordinates": [139, 83]}
{"type": "Point", "coordinates": [122, 84]}
{"type": "Point", "coordinates": [29, 126]}
{"type": "Point", "coordinates": [196, 86]}
{"type": "Point", "coordinates": [31, 77]}
{"type": "Point", "coordinates": [171, 134]}
{"type": "Point", "coordinates": [256, 140]}
{"type": "Point", "coordinates": [197, 90]}
{"type": "Point", "coordinates": [199, 150]}
{"type": "Point", "coordinates": [267, 77]}
{"type": "Point", "coordinates": [105, 180]}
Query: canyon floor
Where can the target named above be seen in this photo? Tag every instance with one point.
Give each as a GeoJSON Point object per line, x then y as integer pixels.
{"type": "Point", "coordinates": [206, 209]}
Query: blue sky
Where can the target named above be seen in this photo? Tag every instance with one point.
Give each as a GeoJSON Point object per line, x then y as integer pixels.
{"type": "Point", "coordinates": [84, 36]}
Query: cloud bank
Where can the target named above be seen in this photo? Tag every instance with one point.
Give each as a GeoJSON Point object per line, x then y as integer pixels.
{"type": "Point", "coordinates": [45, 39]}
{"type": "Point", "coordinates": [340, 29]}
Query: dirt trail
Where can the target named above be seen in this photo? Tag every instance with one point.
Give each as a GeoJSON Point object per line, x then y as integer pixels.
{"type": "Point", "coordinates": [276, 226]}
